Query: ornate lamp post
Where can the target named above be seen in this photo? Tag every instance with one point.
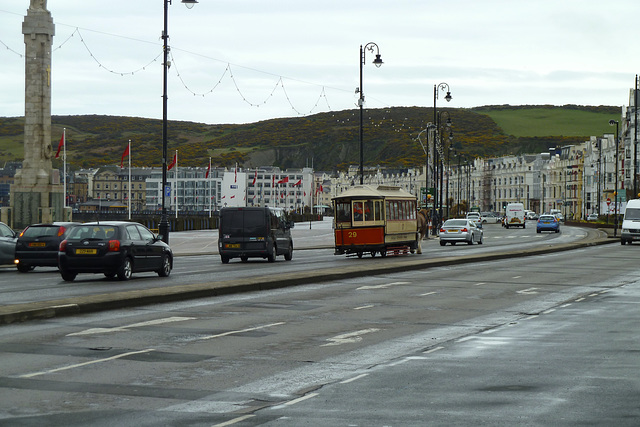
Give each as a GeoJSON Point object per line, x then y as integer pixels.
{"type": "Point", "coordinates": [436, 88]}
{"type": "Point", "coordinates": [163, 227]}
{"type": "Point", "coordinates": [377, 62]}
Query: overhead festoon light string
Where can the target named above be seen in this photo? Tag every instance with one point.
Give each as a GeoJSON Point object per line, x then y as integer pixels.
{"type": "Point", "coordinates": [101, 65]}
{"type": "Point", "coordinates": [173, 62]}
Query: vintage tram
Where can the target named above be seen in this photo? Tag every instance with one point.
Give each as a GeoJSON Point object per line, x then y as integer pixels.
{"type": "Point", "coordinates": [375, 220]}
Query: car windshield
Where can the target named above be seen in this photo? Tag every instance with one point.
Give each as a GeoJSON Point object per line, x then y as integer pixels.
{"type": "Point", "coordinates": [94, 231]}
{"type": "Point", "coordinates": [632, 214]}
{"type": "Point", "coordinates": [456, 223]}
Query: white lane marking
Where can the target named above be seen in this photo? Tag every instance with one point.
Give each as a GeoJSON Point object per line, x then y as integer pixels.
{"type": "Point", "coordinates": [385, 286]}
{"type": "Point", "coordinates": [364, 307]}
{"type": "Point", "coordinates": [480, 283]}
{"type": "Point", "coordinates": [294, 401]}
{"type": "Point", "coordinates": [224, 334]}
{"type": "Point", "coordinates": [432, 350]}
{"type": "Point", "coordinates": [353, 379]}
{"type": "Point", "coordinates": [233, 421]}
{"type": "Point", "coordinates": [65, 368]}
{"type": "Point", "coordinates": [517, 277]}
{"type": "Point", "coordinates": [528, 291]}
{"type": "Point", "coordinates": [134, 325]}
{"type": "Point", "coordinates": [406, 359]}
{"type": "Point", "coordinates": [428, 293]}
{"type": "Point", "coordinates": [349, 337]}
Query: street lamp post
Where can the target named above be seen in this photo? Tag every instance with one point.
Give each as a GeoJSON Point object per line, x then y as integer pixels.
{"type": "Point", "coordinates": [426, 163]}
{"type": "Point", "coordinates": [615, 191]}
{"type": "Point", "coordinates": [436, 88]}
{"type": "Point", "coordinates": [635, 140]}
{"type": "Point", "coordinates": [163, 227]}
{"type": "Point", "coordinates": [377, 62]}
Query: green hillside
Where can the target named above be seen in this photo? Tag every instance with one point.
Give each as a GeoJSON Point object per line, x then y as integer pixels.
{"type": "Point", "coordinates": [542, 121]}
{"type": "Point", "coordinates": [328, 141]}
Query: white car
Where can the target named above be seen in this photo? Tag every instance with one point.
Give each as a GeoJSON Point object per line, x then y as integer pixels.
{"type": "Point", "coordinates": [460, 230]}
{"type": "Point", "coordinates": [475, 216]}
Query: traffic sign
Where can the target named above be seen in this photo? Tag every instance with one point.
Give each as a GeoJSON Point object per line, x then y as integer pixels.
{"type": "Point", "coordinates": [608, 201]}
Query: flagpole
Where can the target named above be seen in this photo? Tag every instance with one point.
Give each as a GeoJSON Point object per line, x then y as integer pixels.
{"type": "Point", "coordinates": [129, 197]}
{"type": "Point", "coordinates": [176, 172]}
{"type": "Point", "coordinates": [210, 195]}
{"type": "Point", "coordinates": [64, 165]}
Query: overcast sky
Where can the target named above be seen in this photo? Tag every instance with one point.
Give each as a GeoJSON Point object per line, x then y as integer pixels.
{"type": "Point", "coordinates": [252, 60]}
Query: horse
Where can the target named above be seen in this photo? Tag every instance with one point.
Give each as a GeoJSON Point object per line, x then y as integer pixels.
{"type": "Point", "coordinates": [423, 226]}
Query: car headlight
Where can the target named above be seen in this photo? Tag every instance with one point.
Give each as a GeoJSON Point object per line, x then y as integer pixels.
{"type": "Point", "coordinates": [625, 230]}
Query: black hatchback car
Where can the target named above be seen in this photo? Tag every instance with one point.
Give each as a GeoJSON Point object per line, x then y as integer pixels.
{"type": "Point", "coordinates": [113, 248]}
{"type": "Point", "coordinates": [37, 245]}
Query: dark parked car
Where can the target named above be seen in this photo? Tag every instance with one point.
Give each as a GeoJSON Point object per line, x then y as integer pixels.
{"type": "Point", "coordinates": [113, 248]}
{"type": "Point", "coordinates": [37, 245]}
{"type": "Point", "coordinates": [8, 239]}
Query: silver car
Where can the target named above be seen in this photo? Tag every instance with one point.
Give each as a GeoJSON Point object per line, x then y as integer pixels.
{"type": "Point", "coordinates": [460, 230]}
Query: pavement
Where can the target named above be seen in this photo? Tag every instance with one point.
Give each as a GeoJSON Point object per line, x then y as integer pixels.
{"type": "Point", "coordinates": [316, 235]}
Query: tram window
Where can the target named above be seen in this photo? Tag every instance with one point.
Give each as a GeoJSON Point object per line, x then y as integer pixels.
{"type": "Point", "coordinates": [368, 210]}
{"type": "Point", "coordinates": [378, 210]}
{"type": "Point", "coordinates": [344, 211]}
{"type": "Point", "coordinates": [357, 211]}
{"type": "Point", "coordinates": [392, 210]}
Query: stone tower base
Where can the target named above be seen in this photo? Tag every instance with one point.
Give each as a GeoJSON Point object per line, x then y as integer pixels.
{"type": "Point", "coordinates": [39, 204]}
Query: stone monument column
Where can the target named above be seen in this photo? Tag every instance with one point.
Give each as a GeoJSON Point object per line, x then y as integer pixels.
{"type": "Point", "coordinates": [37, 195]}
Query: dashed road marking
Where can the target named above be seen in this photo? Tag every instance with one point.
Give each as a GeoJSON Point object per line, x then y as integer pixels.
{"type": "Point", "coordinates": [349, 337]}
{"type": "Point", "coordinates": [134, 325]}
{"type": "Point", "coordinates": [385, 286]}
{"type": "Point", "coordinates": [240, 331]}
{"type": "Point", "coordinates": [92, 362]}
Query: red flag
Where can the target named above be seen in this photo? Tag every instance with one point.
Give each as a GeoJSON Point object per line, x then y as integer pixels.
{"type": "Point", "coordinates": [208, 170]}
{"type": "Point", "coordinates": [298, 183]}
{"type": "Point", "coordinates": [233, 197]}
{"type": "Point", "coordinates": [284, 180]}
{"type": "Point", "coordinates": [173, 162]}
{"type": "Point", "coordinates": [255, 176]}
{"type": "Point", "coordinates": [235, 177]}
{"type": "Point", "coordinates": [125, 154]}
{"type": "Point", "coordinates": [60, 145]}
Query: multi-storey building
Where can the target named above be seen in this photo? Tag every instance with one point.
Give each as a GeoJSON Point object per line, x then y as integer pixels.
{"type": "Point", "coordinates": [112, 184]}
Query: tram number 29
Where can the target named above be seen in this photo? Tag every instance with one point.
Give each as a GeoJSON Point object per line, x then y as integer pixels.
{"type": "Point", "coordinates": [352, 234]}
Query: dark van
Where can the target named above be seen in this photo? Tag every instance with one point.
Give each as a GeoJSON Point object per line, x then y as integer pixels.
{"type": "Point", "coordinates": [254, 232]}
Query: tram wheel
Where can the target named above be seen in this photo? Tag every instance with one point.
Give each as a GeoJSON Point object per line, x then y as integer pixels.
{"type": "Point", "coordinates": [359, 254]}
{"type": "Point", "coordinates": [373, 254]}
{"type": "Point", "coordinates": [383, 253]}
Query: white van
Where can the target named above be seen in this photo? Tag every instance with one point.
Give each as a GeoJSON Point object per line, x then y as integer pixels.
{"type": "Point", "coordinates": [631, 222]}
{"type": "Point", "coordinates": [514, 215]}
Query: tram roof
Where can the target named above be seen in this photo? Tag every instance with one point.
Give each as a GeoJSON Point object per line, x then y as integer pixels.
{"type": "Point", "coordinates": [379, 192]}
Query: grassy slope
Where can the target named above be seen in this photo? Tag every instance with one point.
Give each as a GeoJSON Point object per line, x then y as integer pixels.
{"type": "Point", "coordinates": [557, 121]}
